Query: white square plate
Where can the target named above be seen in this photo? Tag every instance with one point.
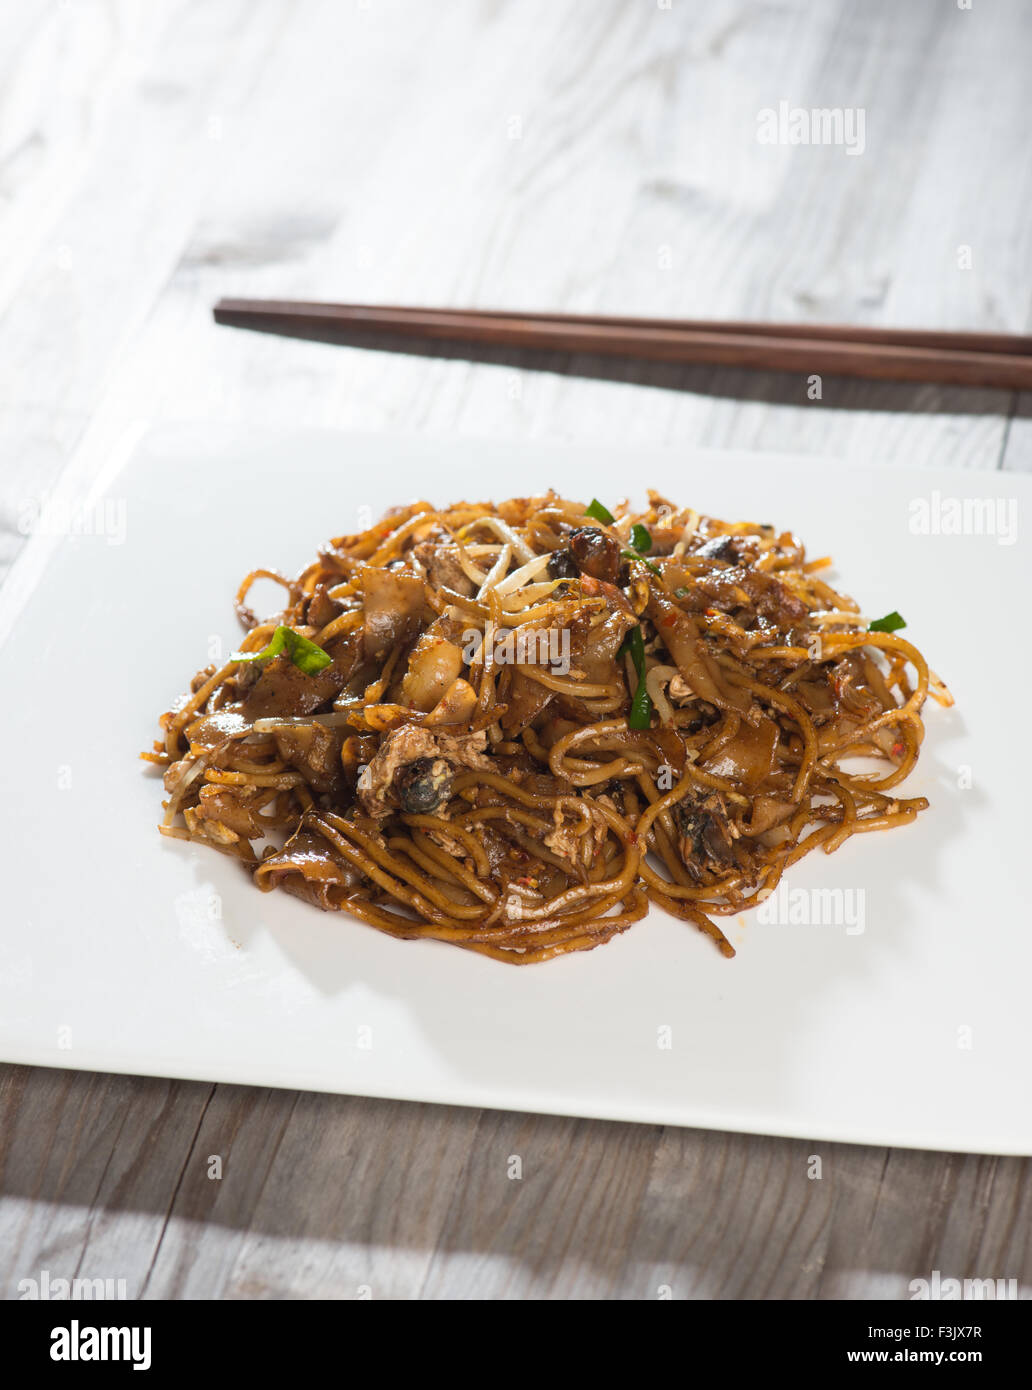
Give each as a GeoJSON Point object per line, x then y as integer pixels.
{"type": "Point", "coordinates": [124, 951]}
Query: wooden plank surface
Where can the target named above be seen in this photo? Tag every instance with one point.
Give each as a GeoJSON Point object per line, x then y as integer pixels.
{"type": "Point", "coordinates": [597, 157]}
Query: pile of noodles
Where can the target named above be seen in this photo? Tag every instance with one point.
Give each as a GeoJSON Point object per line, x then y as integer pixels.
{"type": "Point", "coordinates": [437, 783]}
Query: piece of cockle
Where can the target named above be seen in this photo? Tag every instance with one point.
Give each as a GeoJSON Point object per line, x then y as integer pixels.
{"type": "Point", "coordinates": [389, 784]}
{"type": "Point", "coordinates": [424, 785]}
{"type": "Point", "coordinates": [706, 834]}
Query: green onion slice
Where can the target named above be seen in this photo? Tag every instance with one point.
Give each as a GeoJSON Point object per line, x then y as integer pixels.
{"type": "Point", "coordinates": [640, 715]}
{"type": "Point", "coordinates": [633, 555]}
{"type": "Point", "coordinates": [600, 513]}
{"type": "Point", "coordinates": [306, 656]}
{"type": "Point", "coordinates": [892, 622]}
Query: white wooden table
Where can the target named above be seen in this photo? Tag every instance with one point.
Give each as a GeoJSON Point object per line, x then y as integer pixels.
{"type": "Point", "coordinates": [156, 154]}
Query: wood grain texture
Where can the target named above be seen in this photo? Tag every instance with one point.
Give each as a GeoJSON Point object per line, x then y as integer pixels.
{"type": "Point", "coordinates": [590, 157]}
{"type": "Point", "coordinates": [339, 1197]}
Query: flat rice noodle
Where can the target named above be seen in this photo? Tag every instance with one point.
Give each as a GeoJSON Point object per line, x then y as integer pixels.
{"type": "Point", "coordinates": [749, 757]}
{"type": "Point", "coordinates": [393, 606]}
{"type": "Point", "coordinates": [594, 650]}
{"type": "Point", "coordinates": [679, 635]}
{"type": "Point", "coordinates": [307, 868]}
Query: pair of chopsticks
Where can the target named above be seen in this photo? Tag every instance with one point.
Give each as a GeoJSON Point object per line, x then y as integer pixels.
{"type": "Point", "coordinates": [894, 354]}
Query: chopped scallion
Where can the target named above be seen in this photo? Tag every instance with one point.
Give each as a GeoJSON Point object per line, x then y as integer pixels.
{"type": "Point", "coordinates": [600, 513]}
{"type": "Point", "coordinates": [640, 715]}
{"type": "Point", "coordinates": [306, 655]}
{"type": "Point", "coordinates": [892, 622]}
{"type": "Point", "coordinates": [633, 555]}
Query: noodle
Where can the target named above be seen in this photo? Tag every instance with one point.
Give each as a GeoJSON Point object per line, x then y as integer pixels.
{"type": "Point", "coordinates": [510, 727]}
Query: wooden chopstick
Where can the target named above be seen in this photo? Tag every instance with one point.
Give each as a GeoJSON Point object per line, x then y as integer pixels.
{"type": "Point", "coordinates": [958, 359]}
{"type": "Point", "coordinates": [1007, 343]}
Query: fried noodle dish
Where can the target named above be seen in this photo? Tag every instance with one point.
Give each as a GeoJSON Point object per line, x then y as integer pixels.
{"type": "Point", "coordinates": [511, 726]}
